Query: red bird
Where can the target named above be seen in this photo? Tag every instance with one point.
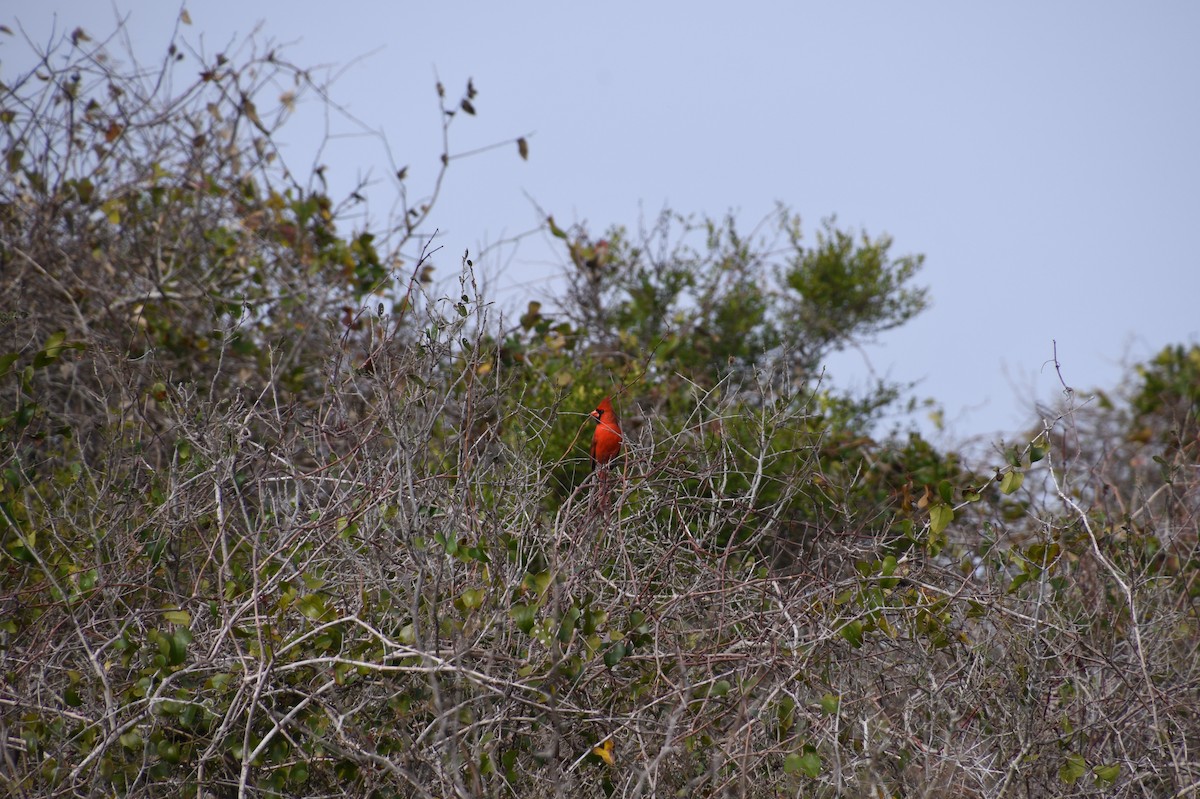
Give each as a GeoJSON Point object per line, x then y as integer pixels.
{"type": "Point", "coordinates": [606, 441]}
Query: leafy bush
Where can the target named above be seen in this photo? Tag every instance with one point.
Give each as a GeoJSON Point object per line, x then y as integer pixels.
{"type": "Point", "coordinates": [281, 518]}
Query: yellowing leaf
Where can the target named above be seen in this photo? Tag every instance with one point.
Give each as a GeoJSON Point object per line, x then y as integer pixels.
{"type": "Point", "coordinates": [605, 752]}
{"type": "Point", "coordinates": [1011, 482]}
{"type": "Point", "coordinates": [472, 598]}
{"type": "Point", "coordinates": [940, 516]}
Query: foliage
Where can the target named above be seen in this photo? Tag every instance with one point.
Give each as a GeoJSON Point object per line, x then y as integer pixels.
{"type": "Point", "coordinates": [698, 295]}
{"type": "Point", "coordinates": [263, 537]}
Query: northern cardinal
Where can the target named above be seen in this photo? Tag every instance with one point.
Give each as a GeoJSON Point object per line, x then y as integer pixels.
{"type": "Point", "coordinates": [606, 441]}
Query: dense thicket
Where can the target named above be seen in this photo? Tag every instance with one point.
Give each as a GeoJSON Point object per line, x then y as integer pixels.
{"type": "Point", "coordinates": [281, 517]}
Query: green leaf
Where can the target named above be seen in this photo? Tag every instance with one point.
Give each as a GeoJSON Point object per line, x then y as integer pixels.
{"type": "Point", "coordinates": [312, 606]}
{"type": "Point", "coordinates": [448, 542]}
{"type": "Point", "coordinates": [71, 696]}
{"type": "Point", "coordinates": [181, 617]}
{"type": "Point", "coordinates": [50, 350]}
{"type": "Point", "coordinates": [940, 516]}
{"type": "Point", "coordinates": [1042, 554]}
{"type": "Point", "coordinates": [298, 775]}
{"type": "Point", "coordinates": [1107, 775]}
{"type": "Point", "coordinates": [1072, 769]}
{"type": "Point", "coordinates": [852, 632]}
{"type": "Point", "coordinates": [566, 627]}
{"type": "Point", "coordinates": [169, 751]}
{"type": "Point", "coordinates": [807, 763]}
{"type": "Point", "coordinates": [537, 583]}
{"type": "Point", "coordinates": [6, 362]}
{"type": "Point", "coordinates": [523, 615]}
{"type": "Point", "coordinates": [178, 643]}
{"type": "Point", "coordinates": [1012, 481]}
{"type": "Point", "coordinates": [946, 492]}
{"type": "Point", "coordinates": [830, 704]}
{"type": "Point", "coordinates": [614, 654]}
{"type": "Point", "coordinates": [786, 711]}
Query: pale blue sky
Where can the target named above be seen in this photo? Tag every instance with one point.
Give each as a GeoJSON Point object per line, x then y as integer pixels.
{"type": "Point", "coordinates": [1045, 157]}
